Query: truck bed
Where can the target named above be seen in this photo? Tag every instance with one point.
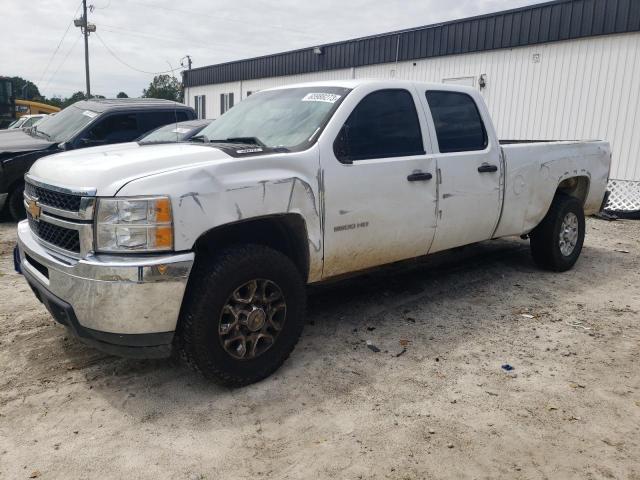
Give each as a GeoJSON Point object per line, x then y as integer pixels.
{"type": "Point", "coordinates": [534, 169]}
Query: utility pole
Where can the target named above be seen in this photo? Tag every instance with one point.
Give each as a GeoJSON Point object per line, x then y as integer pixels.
{"type": "Point", "coordinates": [188, 57]}
{"type": "Point", "coordinates": [86, 28]}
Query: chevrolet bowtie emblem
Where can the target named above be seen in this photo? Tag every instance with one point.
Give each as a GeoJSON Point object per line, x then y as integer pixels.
{"type": "Point", "coordinates": [33, 208]}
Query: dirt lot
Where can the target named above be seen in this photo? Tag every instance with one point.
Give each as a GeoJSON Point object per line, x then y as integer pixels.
{"type": "Point", "coordinates": [442, 409]}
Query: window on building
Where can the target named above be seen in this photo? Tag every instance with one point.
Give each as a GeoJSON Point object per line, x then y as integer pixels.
{"type": "Point", "coordinates": [200, 106]}
{"type": "Point", "coordinates": [384, 124]}
{"type": "Point", "coordinates": [249, 92]}
{"type": "Point", "coordinates": [226, 102]}
{"type": "Point", "coordinates": [458, 123]}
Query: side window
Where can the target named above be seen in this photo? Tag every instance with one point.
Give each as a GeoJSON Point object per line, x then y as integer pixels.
{"type": "Point", "coordinates": [458, 123]}
{"type": "Point", "coordinates": [384, 124]}
{"type": "Point", "coordinates": [118, 128]}
{"type": "Point", "coordinates": [152, 120]}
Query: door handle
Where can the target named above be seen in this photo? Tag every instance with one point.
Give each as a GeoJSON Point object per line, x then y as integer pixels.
{"type": "Point", "coordinates": [486, 168]}
{"type": "Point", "coordinates": [419, 177]}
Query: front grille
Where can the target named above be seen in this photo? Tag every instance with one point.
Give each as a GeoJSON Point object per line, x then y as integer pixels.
{"type": "Point", "coordinates": [63, 201]}
{"type": "Point", "coordinates": [64, 238]}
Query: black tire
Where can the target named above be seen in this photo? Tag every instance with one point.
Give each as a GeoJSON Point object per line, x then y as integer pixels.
{"type": "Point", "coordinates": [15, 203]}
{"type": "Point", "coordinates": [545, 238]}
{"type": "Point", "coordinates": [211, 284]}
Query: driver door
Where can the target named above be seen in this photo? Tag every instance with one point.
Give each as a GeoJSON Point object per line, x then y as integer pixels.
{"type": "Point", "coordinates": [380, 196]}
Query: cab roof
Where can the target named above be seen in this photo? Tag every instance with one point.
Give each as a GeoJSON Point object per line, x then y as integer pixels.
{"type": "Point", "coordinates": [100, 105]}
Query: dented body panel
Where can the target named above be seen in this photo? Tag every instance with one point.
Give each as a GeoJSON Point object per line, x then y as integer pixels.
{"type": "Point", "coordinates": [208, 196]}
{"type": "Point", "coordinates": [535, 170]}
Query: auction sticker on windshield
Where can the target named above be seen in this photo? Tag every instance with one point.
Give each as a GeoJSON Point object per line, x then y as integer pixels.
{"type": "Point", "coordinates": [90, 114]}
{"type": "Point", "coordinates": [321, 97]}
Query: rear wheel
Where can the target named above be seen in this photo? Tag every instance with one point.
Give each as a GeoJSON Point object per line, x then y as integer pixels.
{"type": "Point", "coordinates": [243, 314]}
{"type": "Point", "coordinates": [557, 242]}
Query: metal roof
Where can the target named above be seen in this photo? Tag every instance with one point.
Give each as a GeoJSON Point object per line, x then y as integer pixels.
{"type": "Point", "coordinates": [104, 104]}
{"type": "Point", "coordinates": [540, 23]}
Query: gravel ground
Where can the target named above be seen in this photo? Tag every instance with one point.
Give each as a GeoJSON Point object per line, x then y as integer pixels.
{"type": "Point", "coordinates": [434, 402]}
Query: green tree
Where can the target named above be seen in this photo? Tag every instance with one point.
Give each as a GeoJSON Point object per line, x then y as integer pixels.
{"type": "Point", "coordinates": [76, 97]}
{"type": "Point", "coordinates": [25, 89]}
{"type": "Point", "coordinates": [55, 101]}
{"type": "Point", "coordinates": [164, 86]}
{"type": "Point", "coordinates": [122, 95]}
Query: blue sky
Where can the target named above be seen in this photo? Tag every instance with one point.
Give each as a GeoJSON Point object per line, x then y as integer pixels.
{"type": "Point", "coordinates": [153, 35]}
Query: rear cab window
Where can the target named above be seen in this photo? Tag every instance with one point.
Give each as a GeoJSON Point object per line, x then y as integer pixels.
{"type": "Point", "coordinates": [457, 120]}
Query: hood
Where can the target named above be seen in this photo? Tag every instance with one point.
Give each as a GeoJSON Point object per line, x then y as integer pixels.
{"type": "Point", "coordinates": [109, 168]}
{"type": "Point", "coordinates": [17, 141]}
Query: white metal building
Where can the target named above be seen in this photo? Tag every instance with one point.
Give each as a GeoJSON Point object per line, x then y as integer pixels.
{"type": "Point", "coordinates": [567, 69]}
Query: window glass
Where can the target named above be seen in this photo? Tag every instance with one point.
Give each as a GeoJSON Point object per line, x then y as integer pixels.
{"type": "Point", "coordinates": [152, 120]}
{"type": "Point", "coordinates": [384, 124]}
{"type": "Point", "coordinates": [459, 127]}
{"type": "Point", "coordinates": [289, 118]}
{"type": "Point", "coordinates": [65, 124]}
{"type": "Point", "coordinates": [30, 122]}
{"type": "Point", "coordinates": [116, 128]}
{"type": "Point", "coordinates": [174, 132]}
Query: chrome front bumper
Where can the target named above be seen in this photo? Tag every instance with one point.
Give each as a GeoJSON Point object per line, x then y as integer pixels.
{"type": "Point", "coordinates": [128, 300]}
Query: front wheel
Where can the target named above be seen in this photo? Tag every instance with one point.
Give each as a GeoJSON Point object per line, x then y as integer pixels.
{"type": "Point", "coordinates": [557, 242]}
{"type": "Point", "coordinates": [243, 314]}
{"type": "Point", "coordinates": [15, 203]}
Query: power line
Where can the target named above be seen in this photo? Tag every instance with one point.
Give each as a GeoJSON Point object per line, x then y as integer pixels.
{"type": "Point", "coordinates": [58, 46]}
{"type": "Point", "coordinates": [126, 32]}
{"type": "Point", "coordinates": [63, 62]}
{"type": "Point", "coordinates": [113, 54]}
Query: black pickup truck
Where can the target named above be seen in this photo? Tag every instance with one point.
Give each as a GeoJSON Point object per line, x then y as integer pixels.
{"type": "Point", "coordinates": [84, 124]}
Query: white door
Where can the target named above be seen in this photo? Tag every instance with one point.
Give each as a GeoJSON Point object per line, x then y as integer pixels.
{"type": "Point", "coordinates": [470, 169]}
{"type": "Point", "coordinates": [379, 181]}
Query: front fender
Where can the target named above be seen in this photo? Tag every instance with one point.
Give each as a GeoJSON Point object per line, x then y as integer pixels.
{"type": "Point", "coordinates": [210, 196]}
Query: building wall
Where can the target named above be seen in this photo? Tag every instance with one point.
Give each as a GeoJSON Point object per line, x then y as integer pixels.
{"type": "Point", "coordinates": [576, 89]}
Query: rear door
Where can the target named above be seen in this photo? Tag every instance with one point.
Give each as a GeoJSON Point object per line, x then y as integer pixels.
{"type": "Point", "coordinates": [379, 181]}
{"type": "Point", "coordinates": [469, 168]}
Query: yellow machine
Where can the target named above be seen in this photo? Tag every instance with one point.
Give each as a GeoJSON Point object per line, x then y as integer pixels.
{"type": "Point", "coordinates": [27, 107]}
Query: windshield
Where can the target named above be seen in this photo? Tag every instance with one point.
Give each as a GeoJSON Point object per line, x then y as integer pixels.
{"type": "Point", "coordinates": [65, 124]}
{"type": "Point", "coordinates": [31, 122]}
{"type": "Point", "coordinates": [288, 118]}
{"type": "Point", "coordinates": [18, 123]}
{"type": "Point", "coordinates": [170, 133]}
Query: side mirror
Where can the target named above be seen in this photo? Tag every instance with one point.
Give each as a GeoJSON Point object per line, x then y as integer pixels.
{"type": "Point", "coordinates": [89, 142]}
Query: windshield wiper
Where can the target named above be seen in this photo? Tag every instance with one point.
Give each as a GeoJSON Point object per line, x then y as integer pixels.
{"type": "Point", "coordinates": [200, 139]}
{"type": "Point", "coordinates": [243, 140]}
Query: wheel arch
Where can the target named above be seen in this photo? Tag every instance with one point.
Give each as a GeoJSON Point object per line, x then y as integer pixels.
{"type": "Point", "coordinates": [575, 186]}
{"type": "Point", "coordinates": [286, 233]}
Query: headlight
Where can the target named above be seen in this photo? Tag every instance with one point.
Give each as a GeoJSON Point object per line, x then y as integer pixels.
{"type": "Point", "coordinates": [134, 224]}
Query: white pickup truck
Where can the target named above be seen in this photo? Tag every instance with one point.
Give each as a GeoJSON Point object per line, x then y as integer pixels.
{"type": "Point", "coordinates": [205, 247]}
